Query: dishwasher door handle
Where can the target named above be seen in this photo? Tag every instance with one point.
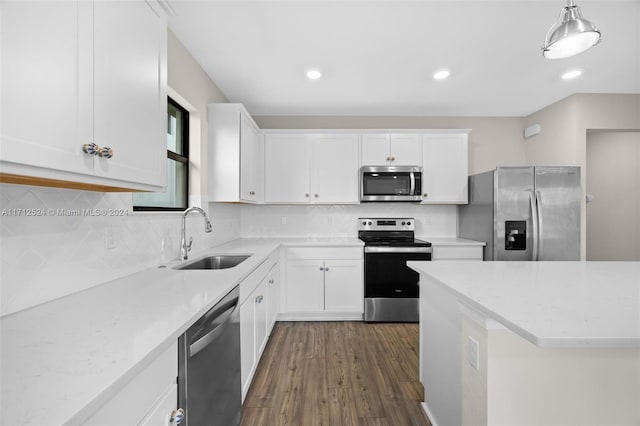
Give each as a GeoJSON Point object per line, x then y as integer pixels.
{"type": "Point", "coordinates": [208, 338]}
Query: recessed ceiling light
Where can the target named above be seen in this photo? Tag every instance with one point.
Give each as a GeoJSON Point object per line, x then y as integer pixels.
{"type": "Point", "coordinates": [441, 75]}
{"type": "Point", "coordinates": [314, 74]}
{"type": "Point", "coordinates": [570, 75]}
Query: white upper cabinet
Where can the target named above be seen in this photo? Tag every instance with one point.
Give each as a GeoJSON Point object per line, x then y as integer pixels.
{"type": "Point", "coordinates": [379, 149]}
{"type": "Point", "coordinates": [287, 168]}
{"type": "Point", "coordinates": [235, 152]}
{"type": "Point", "coordinates": [311, 168]}
{"type": "Point", "coordinates": [76, 73]}
{"type": "Point", "coordinates": [130, 100]}
{"type": "Point", "coordinates": [445, 168]}
{"type": "Point", "coordinates": [334, 168]}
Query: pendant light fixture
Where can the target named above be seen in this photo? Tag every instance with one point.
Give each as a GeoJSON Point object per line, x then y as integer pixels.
{"type": "Point", "coordinates": [570, 35]}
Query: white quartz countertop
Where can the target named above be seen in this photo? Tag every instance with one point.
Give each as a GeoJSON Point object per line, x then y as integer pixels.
{"type": "Point", "coordinates": [62, 360]}
{"type": "Point", "coordinates": [551, 304]}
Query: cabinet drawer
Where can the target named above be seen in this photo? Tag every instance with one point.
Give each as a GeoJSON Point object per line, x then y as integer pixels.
{"type": "Point", "coordinates": [134, 401]}
{"type": "Point", "coordinates": [457, 253]}
{"type": "Point", "coordinates": [324, 253]}
{"type": "Point", "coordinates": [251, 282]}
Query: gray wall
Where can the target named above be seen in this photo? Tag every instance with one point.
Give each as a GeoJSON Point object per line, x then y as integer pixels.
{"type": "Point", "coordinates": [613, 178]}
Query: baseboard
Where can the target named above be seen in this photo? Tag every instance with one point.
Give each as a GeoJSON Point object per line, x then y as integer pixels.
{"type": "Point", "coordinates": [427, 412]}
{"type": "Point", "coordinates": [320, 316]}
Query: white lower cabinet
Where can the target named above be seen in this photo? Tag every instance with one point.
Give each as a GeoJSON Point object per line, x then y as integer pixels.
{"type": "Point", "coordinates": [148, 399]}
{"type": "Point", "coordinates": [162, 412]}
{"type": "Point", "coordinates": [259, 307]}
{"type": "Point", "coordinates": [324, 283]}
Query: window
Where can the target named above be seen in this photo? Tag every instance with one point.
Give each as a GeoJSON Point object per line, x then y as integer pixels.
{"type": "Point", "coordinates": [176, 195]}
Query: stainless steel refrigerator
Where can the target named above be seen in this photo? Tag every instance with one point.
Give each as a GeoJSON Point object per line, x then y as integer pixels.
{"type": "Point", "coordinates": [524, 213]}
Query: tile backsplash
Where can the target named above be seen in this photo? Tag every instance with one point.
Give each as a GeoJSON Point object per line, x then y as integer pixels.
{"type": "Point", "coordinates": [54, 242]}
{"type": "Point", "coordinates": [341, 220]}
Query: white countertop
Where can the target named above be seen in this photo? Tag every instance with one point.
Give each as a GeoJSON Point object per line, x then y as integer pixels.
{"type": "Point", "coordinates": [62, 360]}
{"type": "Point", "coordinates": [551, 304]}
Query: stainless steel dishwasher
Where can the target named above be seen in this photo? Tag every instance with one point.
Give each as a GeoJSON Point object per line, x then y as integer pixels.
{"type": "Point", "coordinates": [209, 386]}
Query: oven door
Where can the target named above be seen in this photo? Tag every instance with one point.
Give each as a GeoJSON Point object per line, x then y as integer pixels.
{"type": "Point", "coordinates": [386, 274]}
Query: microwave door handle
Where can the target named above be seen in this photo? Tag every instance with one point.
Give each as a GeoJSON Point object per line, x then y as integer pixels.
{"type": "Point", "coordinates": [412, 178]}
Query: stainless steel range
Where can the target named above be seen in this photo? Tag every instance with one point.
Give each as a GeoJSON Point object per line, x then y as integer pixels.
{"type": "Point", "coordinates": [390, 287]}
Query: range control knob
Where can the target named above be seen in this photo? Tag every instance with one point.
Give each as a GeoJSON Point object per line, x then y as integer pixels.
{"type": "Point", "coordinates": [370, 223]}
{"type": "Point", "coordinates": [364, 222]}
{"type": "Point", "coordinates": [403, 223]}
{"type": "Point", "coordinates": [408, 223]}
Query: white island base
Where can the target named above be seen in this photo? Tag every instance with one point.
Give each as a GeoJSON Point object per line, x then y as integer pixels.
{"type": "Point", "coordinates": [526, 373]}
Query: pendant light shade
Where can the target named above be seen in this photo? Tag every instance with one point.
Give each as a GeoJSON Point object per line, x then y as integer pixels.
{"type": "Point", "coordinates": [570, 35]}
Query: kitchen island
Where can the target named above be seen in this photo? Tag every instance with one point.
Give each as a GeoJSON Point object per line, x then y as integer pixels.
{"type": "Point", "coordinates": [530, 343]}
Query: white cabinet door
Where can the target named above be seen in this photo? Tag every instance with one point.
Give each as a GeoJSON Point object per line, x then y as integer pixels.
{"type": "Point", "coordinates": [398, 149]}
{"type": "Point", "coordinates": [251, 164]}
{"type": "Point", "coordinates": [343, 286]}
{"type": "Point", "coordinates": [273, 297]}
{"type": "Point", "coordinates": [334, 169]}
{"type": "Point", "coordinates": [247, 342]}
{"type": "Point", "coordinates": [405, 150]}
{"type": "Point", "coordinates": [46, 84]}
{"type": "Point", "coordinates": [375, 150]}
{"type": "Point", "coordinates": [305, 286]}
{"type": "Point", "coordinates": [160, 414]}
{"type": "Point", "coordinates": [287, 171]}
{"type": "Point", "coordinates": [445, 169]}
{"type": "Point", "coordinates": [261, 302]}
{"type": "Point", "coordinates": [130, 103]}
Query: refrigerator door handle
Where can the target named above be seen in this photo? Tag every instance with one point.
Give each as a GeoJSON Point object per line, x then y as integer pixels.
{"type": "Point", "coordinates": [534, 224]}
{"type": "Point", "coordinates": [540, 229]}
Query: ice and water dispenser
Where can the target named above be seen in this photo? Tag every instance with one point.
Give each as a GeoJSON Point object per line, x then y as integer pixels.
{"type": "Point", "coordinates": [515, 235]}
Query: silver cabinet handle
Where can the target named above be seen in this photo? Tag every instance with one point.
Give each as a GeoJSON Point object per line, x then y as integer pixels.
{"type": "Point", "coordinates": [94, 149]}
{"type": "Point", "coordinates": [105, 152]}
{"type": "Point", "coordinates": [177, 416]}
{"type": "Point", "coordinates": [90, 148]}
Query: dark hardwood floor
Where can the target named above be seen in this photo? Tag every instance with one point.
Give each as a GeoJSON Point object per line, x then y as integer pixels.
{"type": "Point", "coordinates": [337, 373]}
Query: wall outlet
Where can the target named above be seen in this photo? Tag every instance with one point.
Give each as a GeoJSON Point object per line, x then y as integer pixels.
{"type": "Point", "coordinates": [473, 352]}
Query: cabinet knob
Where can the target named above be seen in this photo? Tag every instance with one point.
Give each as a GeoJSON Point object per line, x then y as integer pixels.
{"type": "Point", "coordinates": [326, 269]}
{"type": "Point", "coordinates": [90, 148]}
{"type": "Point", "coordinates": [306, 195]}
{"type": "Point", "coordinates": [93, 149]}
{"type": "Point", "coordinates": [105, 152]}
{"type": "Point", "coordinates": [388, 158]}
{"type": "Point", "coordinates": [270, 281]}
{"type": "Point", "coordinates": [316, 195]}
{"type": "Point", "coordinates": [425, 195]}
{"type": "Point", "coordinates": [321, 268]}
{"type": "Point", "coordinates": [393, 158]}
{"type": "Point", "coordinates": [177, 416]}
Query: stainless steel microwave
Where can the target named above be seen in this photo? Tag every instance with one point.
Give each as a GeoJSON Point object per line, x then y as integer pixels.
{"type": "Point", "coordinates": [391, 183]}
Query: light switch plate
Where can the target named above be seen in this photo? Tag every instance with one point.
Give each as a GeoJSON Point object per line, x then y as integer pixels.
{"type": "Point", "coordinates": [473, 355]}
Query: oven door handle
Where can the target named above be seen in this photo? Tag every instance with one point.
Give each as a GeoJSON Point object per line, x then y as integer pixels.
{"type": "Point", "coordinates": [398, 250]}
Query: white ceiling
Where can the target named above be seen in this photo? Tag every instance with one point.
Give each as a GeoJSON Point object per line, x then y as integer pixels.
{"type": "Point", "coordinates": [377, 57]}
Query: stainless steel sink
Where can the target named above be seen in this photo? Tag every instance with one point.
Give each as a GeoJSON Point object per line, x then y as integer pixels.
{"type": "Point", "coordinates": [225, 261]}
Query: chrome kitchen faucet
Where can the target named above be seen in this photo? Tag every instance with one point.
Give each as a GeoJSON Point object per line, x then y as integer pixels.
{"type": "Point", "coordinates": [184, 247]}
